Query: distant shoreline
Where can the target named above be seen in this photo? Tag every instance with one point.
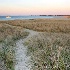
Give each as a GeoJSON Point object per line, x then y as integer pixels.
{"type": "Point", "coordinates": [31, 17]}
{"type": "Point", "coordinates": [37, 15]}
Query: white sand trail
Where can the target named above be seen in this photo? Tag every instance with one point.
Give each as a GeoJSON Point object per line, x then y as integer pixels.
{"type": "Point", "coordinates": [22, 60]}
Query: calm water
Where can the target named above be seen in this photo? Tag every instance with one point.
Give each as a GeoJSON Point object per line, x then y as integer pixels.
{"type": "Point", "coordinates": [26, 17]}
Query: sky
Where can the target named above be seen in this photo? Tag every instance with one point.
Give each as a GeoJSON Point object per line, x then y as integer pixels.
{"type": "Point", "coordinates": [34, 7]}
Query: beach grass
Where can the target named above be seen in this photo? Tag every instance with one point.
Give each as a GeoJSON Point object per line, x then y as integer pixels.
{"type": "Point", "coordinates": [43, 25]}
{"type": "Point", "coordinates": [8, 37]}
{"type": "Point", "coordinates": [49, 50]}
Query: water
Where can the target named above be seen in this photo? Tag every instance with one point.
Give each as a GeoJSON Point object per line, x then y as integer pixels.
{"type": "Point", "coordinates": [23, 17]}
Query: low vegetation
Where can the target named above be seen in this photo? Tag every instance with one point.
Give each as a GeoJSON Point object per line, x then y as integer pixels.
{"type": "Point", "coordinates": [8, 36]}
{"type": "Point", "coordinates": [49, 51]}
{"type": "Point", "coordinates": [43, 25]}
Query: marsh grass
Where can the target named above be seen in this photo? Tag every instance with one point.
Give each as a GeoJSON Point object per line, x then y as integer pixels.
{"type": "Point", "coordinates": [49, 51]}
{"type": "Point", "coordinates": [8, 36]}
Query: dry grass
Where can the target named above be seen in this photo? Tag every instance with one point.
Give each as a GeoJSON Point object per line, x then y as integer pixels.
{"type": "Point", "coordinates": [8, 36]}
{"type": "Point", "coordinates": [48, 25]}
{"type": "Point", "coordinates": [11, 32]}
{"type": "Point", "coordinates": [49, 51]}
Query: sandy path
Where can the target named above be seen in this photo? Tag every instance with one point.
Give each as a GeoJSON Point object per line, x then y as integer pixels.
{"type": "Point", "coordinates": [22, 61]}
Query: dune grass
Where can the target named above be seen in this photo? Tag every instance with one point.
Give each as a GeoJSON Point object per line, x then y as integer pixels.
{"type": "Point", "coordinates": [49, 51]}
{"type": "Point", "coordinates": [8, 36]}
{"type": "Point", "coordinates": [43, 25]}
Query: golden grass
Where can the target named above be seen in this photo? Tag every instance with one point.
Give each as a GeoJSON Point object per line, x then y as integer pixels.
{"type": "Point", "coordinates": [47, 25]}
{"type": "Point", "coordinates": [48, 49]}
{"type": "Point", "coordinates": [8, 36]}
{"type": "Point", "coordinates": [11, 31]}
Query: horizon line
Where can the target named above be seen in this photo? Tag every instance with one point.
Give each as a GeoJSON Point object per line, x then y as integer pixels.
{"type": "Point", "coordinates": [35, 15]}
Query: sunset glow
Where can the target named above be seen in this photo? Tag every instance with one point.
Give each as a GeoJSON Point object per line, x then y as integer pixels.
{"type": "Point", "coordinates": [34, 7]}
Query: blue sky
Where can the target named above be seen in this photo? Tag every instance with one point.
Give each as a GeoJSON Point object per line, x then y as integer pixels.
{"type": "Point", "coordinates": [34, 7]}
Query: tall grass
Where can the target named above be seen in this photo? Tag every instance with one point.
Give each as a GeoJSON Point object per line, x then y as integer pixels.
{"type": "Point", "coordinates": [44, 25]}
{"type": "Point", "coordinates": [49, 51]}
{"type": "Point", "coordinates": [8, 36]}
